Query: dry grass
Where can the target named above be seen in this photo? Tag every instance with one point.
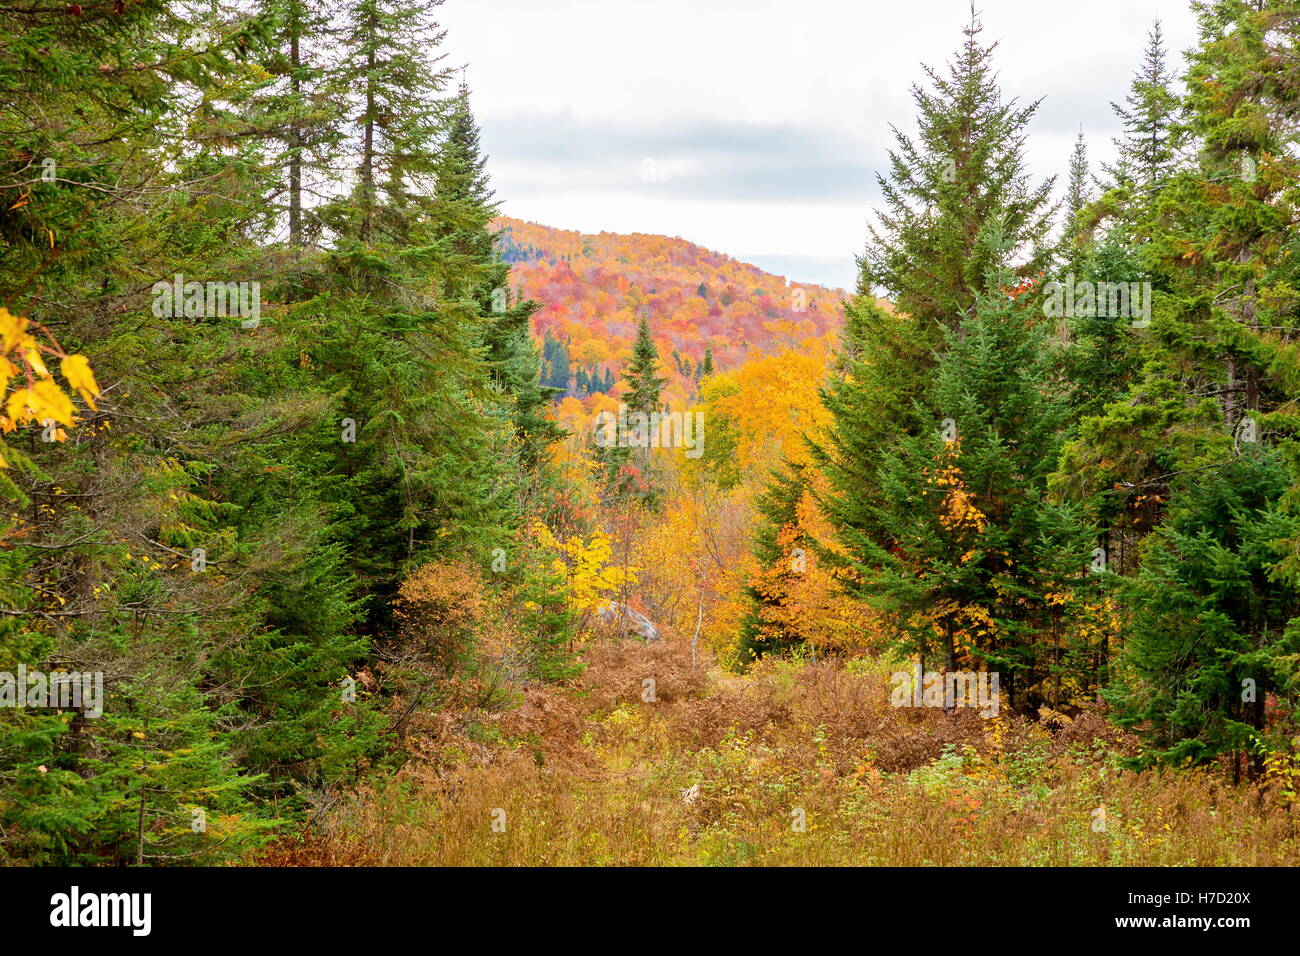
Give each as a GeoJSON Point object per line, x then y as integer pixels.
{"type": "Point", "coordinates": [592, 775]}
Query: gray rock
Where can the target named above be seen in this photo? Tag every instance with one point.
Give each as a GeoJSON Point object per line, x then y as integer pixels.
{"type": "Point", "coordinates": [632, 623]}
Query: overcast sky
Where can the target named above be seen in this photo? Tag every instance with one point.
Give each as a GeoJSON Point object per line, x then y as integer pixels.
{"type": "Point", "coordinates": [756, 127]}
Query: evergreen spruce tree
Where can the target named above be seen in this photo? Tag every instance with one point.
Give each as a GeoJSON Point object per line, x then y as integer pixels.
{"type": "Point", "coordinates": [555, 364]}
{"type": "Point", "coordinates": [627, 464]}
{"type": "Point", "coordinates": [225, 552]}
{"type": "Point", "coordinates": [705, 368]}
{"type": "Point", "coordinates": [466, 209]}
{"type": "Point", "coordinates": [964, 168]}
{"type": "Point", "coordinates": [763, 632]}
{"type": "Point", "coordinates": [1210, 634]}
{"type": "Point", "coordinates": [642, 373]}
{"type": "Point", "coordinates": [402, 329]}
{"type": "Point", "coordinates": [953, 541]}
{"type": "Point", "coordinates": [964, 172]}
{"type": "Point", "coordinates": [878, 391]}
{"type": "Point", "coordinates": [1076, 196]}
{"type": "Point", "coordinates": [301, 114]}
{"type": "Point", "coordinates": [1210, 239]}
{"type": "Point", "coordinates": [395, 80]}
{"type": "Point", "coordinates": [1147, 150]}
{"type": "Point", "coordinates": [157, 492]}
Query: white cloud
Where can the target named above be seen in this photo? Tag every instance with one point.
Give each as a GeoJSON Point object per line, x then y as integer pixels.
{"type": "Point", "coordinates": [766, 119]}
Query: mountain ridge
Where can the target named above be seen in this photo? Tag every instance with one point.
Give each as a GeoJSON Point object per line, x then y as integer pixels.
{"type": "Point", "coordinates": [595, 287]}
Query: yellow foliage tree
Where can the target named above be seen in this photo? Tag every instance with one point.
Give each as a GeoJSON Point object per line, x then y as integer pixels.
{"type": "Point", "coordinates": [588, 568]}
{"type": "Point", "coordinates": [40, 399]}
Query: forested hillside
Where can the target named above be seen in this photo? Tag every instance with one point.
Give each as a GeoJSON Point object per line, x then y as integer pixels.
{"type": "Point", "coordinates": [706, 310]}
{"type": "Point", "coordinates": [362, 524]}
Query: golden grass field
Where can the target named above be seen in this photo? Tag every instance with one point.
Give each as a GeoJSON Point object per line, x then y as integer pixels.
{"type": "Point", "coordinates": [720, 770]}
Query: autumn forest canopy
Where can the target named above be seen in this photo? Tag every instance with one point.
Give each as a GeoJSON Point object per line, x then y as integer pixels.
{"type": "Point", "coordinates": [345, 519]}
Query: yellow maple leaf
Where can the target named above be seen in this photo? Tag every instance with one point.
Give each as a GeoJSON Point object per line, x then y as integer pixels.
{"type": "Point", "coordinates": [33, 356]}
{"type": "Point", "coordinates": [19, 404]}
{"type": "Point", "coordinates": [44, 400]}
{"type": "Point", "coordinates": [12, 329]}
{"type": "Point", "coordinates": [76, 369]}
{"type": "Point", "coordinates": [54, 402]}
